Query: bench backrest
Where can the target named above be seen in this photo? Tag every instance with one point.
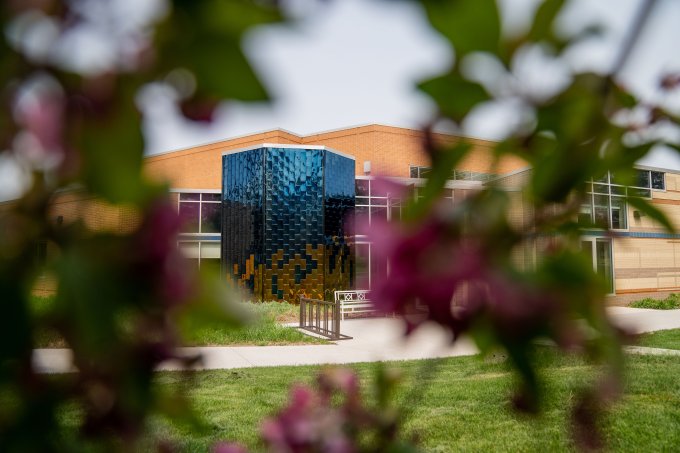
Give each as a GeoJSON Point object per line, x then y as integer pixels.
{"type": "Point", "coordinates": [355, 295]}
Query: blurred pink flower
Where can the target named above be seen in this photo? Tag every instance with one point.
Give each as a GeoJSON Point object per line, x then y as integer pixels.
{"type": "Point", "coordinates": [427, 265]}
{"type": "Point", "coordinates": [316, 421]}
{"type": "Point", "coordinates": [159, 259]}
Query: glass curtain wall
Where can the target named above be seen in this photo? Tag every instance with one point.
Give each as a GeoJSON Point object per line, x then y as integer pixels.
{"type": "Point", "coordinates": [374, 203]}
{"type": "Point", "coordinates": [606, 200]}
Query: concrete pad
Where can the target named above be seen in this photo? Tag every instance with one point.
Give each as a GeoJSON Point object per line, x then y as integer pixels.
{"type": "Point", "coordinates": [374, 339]}
{"type": "Point", "coordinates": [640, 320]}
{"type": "Point", "coordinates": [650, 351]}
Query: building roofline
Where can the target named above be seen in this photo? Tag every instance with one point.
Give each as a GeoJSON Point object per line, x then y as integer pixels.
{"type": "Point", "coordinates": [287, 146]}
{"type": "Point", "coordinates": [660, 169]}
{"type": "Point", "coordinates": [228, 139]}
{"type": "Point", "coordinates": [313, 134]}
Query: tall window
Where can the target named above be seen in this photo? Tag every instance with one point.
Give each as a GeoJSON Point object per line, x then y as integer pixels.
{"type": "Point", "coordinates": [606, 201]}
{"type": "Point", "coordinates": [201, 215]}
{"type": "Point", "coordinates": [599, 250]}
{"type": "Point", "coordinates": [200, 212]}
{"type": "Point", "coordinates": [372, 203]}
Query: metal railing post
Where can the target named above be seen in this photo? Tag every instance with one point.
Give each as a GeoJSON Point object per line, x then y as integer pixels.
{"type": "Point", "coordinates": [321, 317]}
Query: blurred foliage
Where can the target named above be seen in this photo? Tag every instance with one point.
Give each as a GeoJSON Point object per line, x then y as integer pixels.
{"type": "Point", "coordinates": [122, 294]}
{"type": "Point", "coordinates": [336, 416]}
{"type": "Point", "coordinates": [508, 258]}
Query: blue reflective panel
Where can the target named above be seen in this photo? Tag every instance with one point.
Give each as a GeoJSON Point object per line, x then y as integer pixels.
{"type": "Point", "coordinates": [242, 212]}
{"type": "Point", "coordinates": [283, 218]}
{"type": "Point", "coordinates": [338, 207]}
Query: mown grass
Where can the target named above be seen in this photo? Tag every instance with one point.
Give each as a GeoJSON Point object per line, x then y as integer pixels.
{"type": "Point", "coordinates": [669, 303]}
{"type": "Point", "coordinates": [266, 328]}
{"type": "Point", "coordinates": [667, 339]}
{"type": "Point", "coordinates": [460, 405]}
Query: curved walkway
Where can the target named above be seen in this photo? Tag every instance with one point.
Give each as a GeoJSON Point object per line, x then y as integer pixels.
{"type": "Point", "coordinates": [375, 339]}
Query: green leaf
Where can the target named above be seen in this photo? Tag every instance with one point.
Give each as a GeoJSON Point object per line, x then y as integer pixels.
{"type": "Point", "coordinates": [454, 95]}
{"type": "Point", "coordinates": [443, 163]}
{"type": "Point", "coordinates": [652, 211]}
{"type": "Point", "coordinates": [212, 50]}
{"type": "Point", "coordinates": [469, 25]}
{"type": "Point", "coordinates": [109, 138]}
{"type": "Point", "coordinates": [542, 27]}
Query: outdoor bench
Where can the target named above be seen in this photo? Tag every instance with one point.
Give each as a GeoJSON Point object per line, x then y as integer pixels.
{"type": "Point", "coordinates": [357, 301]}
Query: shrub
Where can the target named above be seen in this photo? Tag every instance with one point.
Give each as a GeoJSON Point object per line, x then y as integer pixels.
{"type": "Point", "coordinates": [669, 303]}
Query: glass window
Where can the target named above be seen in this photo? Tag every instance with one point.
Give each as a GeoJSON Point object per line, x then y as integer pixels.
{"type": "Point", "coordinates": [618, 206]}
{"type": "Point", "coordinates": [642, 178]}
{"type": "Point", "coordinates": [200, 212]}
{"type": "Point", "coordinates": [378, 213]}
{"type": "Point", "coordinates": [203, 254]}
{"type": "Point", "coordinates": [600, 251]}
{"type": "Point", "coordinates": [585, 216]}
{"type": "Point", "coordinates": [600, 188]}
{"type": "Point", "coordinates": [361, 186]}
{"type": "Point", "coordinates": [642, 193]}
{"type": "Point", "coordinates": [190, 249]}
{"type": "Point", "coordinates": [378, 190]}
{"type": "Point", "coordinates": [211, 218]}
{"type": "Point", "coordinates": [603, 251]}
{"type": "Point", "coordinates": [362, 201]}
{"type": "Point", "coordinates": [601, 210]}
{"type": "Point", "coordinates": [395, 212]}
{"type": "Point", "coordinates": [361, 218]}
{"type": "Point", "coordinates": [658, 180]}
{"type": "Point", "coordinates": [363, 260]}
{"type": "Point", "coordinates": [618, 190]}
{"type": "Point", "coordinates": [189, 215]}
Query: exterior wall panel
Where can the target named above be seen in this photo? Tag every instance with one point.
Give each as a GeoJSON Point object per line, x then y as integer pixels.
{"type": "Point", "coordinates": [283, 226]}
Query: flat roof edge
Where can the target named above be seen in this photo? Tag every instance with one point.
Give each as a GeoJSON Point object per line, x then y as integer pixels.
{"type": "Point", "coordinates": [288, 146]}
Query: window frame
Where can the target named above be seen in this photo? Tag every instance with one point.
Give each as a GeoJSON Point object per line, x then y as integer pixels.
{"type": "Point", "coordinates": [200, 202]}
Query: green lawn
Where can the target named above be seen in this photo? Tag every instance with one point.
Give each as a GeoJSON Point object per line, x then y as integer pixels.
{"type": "Point", "coordinates": [265, 329]}
{"type": "Point", "coordinates": [463, 406]}
{"type": "Point", "coordinates": [667, 339]}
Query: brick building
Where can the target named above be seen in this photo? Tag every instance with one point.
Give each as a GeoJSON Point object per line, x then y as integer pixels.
{"type": "Point", "coordinates": [642, 260]}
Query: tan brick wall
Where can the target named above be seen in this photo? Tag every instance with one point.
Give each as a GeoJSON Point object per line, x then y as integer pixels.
{"type": "Point", "coordinates": [646, 265]}
{"type": "Point", "coordinates": [389, 149]}
{"type": "Point", "coordinates": [200, 167]}
{"type": "Point", "coordinates": [96, 215]}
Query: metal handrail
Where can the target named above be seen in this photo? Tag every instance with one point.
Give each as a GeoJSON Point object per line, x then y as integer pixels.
{"type": "Point", "coordinates": [321, 317]}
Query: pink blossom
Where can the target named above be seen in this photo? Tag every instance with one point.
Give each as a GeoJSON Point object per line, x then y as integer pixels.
{"type": "Point", "coordinates": [427, 265]}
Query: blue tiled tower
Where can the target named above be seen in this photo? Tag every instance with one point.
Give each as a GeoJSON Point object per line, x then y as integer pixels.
{"type": "Point", "coordinates": [283, 228]}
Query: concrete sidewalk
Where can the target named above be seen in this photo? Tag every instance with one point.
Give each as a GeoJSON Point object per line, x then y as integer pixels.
{"type": "Point", "coordinates": [375, 339]}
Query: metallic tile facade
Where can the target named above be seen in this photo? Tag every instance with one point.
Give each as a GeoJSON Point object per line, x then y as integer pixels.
{"type": "Point", "coordinates": [283, 227]}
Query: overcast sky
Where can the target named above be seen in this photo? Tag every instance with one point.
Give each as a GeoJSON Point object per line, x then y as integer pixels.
{"type": "Point", "coordinates": [351, 62]}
